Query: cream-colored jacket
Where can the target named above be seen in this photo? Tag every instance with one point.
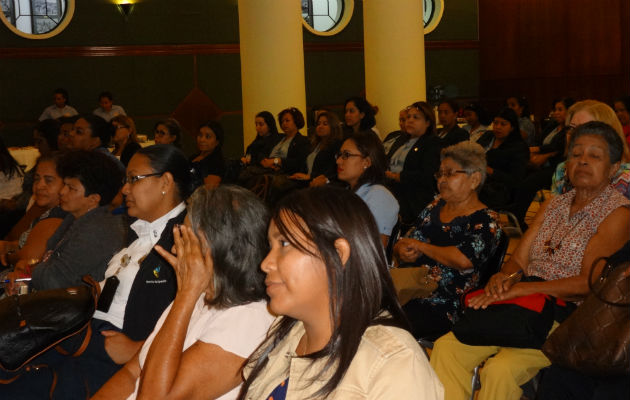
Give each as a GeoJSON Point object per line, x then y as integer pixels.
{"type": "Point", "coordinates": [389, 364]}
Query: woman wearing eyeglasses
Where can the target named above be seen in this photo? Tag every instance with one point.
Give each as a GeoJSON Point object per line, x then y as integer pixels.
{"type": "Point", "coordinates": [453, 237]}
{"type": "Point", "coordinates": [124, 139]}
{"type": "Point", "coordinates": [139, 284]}
{"type": "Point", "coordinates": [412, 165]}
{"type": "Point", "coordinates": [361, 164]}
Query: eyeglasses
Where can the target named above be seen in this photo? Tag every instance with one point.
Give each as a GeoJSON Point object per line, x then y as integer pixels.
{"type": "Point", "coordinates": [133, 179]}
{"type": "Point", "coordinates": [344, 155]}
{"type": "Point", "coordinates": [449, 173]}
{"type": "Point", "coordinates": [122, 127]}
{"type": "Point", "coordinates": [159, 132]}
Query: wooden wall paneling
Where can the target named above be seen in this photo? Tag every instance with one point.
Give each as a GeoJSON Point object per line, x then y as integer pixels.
{"type": "Point", "coordinates": [544, 49]}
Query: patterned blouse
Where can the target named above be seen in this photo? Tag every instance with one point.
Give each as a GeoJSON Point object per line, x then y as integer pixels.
{"type": "Point", "coordinates": [558, 248]}
{"type": "Point", "coordinates": [476, 235]}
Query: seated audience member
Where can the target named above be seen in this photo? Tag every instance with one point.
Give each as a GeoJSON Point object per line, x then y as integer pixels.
{"type": "Point", "coordinates": [124, 139]}
{"type": "Point", "coordinates": [569, 233]}
{"type": "Point", "coordinates": [11, 175]}
{"type": "Point", "coordinates": [11, 179]}
{"type": "Point", "coordinates": [395, 137]}
{"type": "Point", "coordinates": [208, 164]}
{"type": "Point", "coordinates": [413, 164]}
{"type": "Point", "coordinates": [167, 131]}
{"type": "Point", "coordinates": [89, 236]}
{"type": "Point", "coordinates": [543, 161]}
{"type": "Point", "coordinates": [288, 156]}
{"type": "Point", "coordinates": [47, 185]}
{"type": "Point", "coordinates": [60, 108]}
{"type": "Point", "coordinates": [312, 122]}
{"type": "Point", "coordinates": [157, 183]}
{"type": "Point", "coordinates": [339, 332]}
{"type": "Point", "coordinates": [267, 137]}
{"type": "Point", "coordinates": [106, 107]}
{"type": "Point", "coordinates": [358, 116]}
{"type": "Point", "coordinates": [320, 163]}
{"type": "Point", "coordinates": [562, 383]}
{"type": "Point", "coordinates": [454, 237]}
{"type": "Point", "coordinates": [450, 133]}
{"type": "Point", "coordinates": [219, 315]}
{"type": "Point", "coordinates": [507, 161]}
{"type": "Point", "coordinates": [583, 112]}
{"type": "Point", "coordinates": [477, 121]}
{"type": "Point", "coordinates": [64, 138]}
{"type": "Point", "coordinates": [520, 105]}
{"type": "Point", "coordinates": [45, 135]}
{"type": "Point", "coordinates": [91, 132]}
{"type": "Point", "coordinates": [361, 164]}
{"type": "Point", "coordinates": [622, 109]}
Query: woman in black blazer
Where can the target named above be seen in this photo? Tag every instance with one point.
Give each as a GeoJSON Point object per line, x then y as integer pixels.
{"type": "Point", "coordinates": [412, 165]}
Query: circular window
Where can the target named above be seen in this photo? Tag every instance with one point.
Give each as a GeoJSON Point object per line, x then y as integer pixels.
{"type": "Point", "coordinates": [326, 17]}
{"type": "Point", "coordinates": [36, 19]}
{"type": "Point", "coordinates": [433, 10]}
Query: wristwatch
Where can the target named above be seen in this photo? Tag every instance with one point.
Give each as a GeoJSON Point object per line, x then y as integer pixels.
{"type": "Point", "coordinates": [276, 161]}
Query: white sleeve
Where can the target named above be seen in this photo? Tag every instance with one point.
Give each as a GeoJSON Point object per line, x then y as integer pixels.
{"type": "Point", "coordinates": [239, 329]}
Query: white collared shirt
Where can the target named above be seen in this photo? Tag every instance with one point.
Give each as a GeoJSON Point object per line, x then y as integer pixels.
{"type": "Point", "coordinates": [126, 263]}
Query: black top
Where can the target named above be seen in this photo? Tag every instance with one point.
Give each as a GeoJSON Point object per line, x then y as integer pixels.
{"type": "Point", "coordinates": [557, 145]}
{"type": "Point", "coordinates": [295, 161]}
{"type": "Point", "coordinates": [153, 288]}
{"type": "Point", "coordinates": [454, 136]}
{"type": "Point", "coordinates": [212, 164]}
{"type": "Point", "coordinates": [325, 162]}
{"type": "Point", "coordinates": [417, 184]}
{"type": "Point", "coordinates": [261, 147]}
{"type": "Point", "coordinates": [509, 162]}
{"type": "Point", "coordinates": [128, 152]}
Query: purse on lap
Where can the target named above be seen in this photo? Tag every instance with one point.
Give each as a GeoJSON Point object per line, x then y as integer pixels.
{"type": "Point", "coordinates": [33, 323]}
{"type": "Point", "coordinates": [595, 339]}
{"type": "Point", "coordinates": [522, 322]}
{"type": "Point", "coordinates": [412, 282]}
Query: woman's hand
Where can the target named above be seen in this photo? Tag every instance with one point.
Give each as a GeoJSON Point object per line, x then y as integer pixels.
{"type": "Point", "coordinates": [393, 176]}
{"type": "Point", "coordinates": [408, 250]}
{"type": "Point", "coordinates": [244, 161]}
{"type": "Point", "coordinates": [299, 176]}
{"type": "Point", "coordinates": [501, 282]}
{"type": "Point", "coordinates": [267, 162]}
{"type": "Point", "coordinates": [193, 263]}
{"type": "Point", "coordinates": [484, 299]}
{"type": "Point", "coordinates": [319, 181]}
{"type": "Point", "coordinates": [6, 247]}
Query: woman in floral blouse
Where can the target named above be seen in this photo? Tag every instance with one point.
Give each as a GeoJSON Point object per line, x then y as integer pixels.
{"type": "Point", "coordinates": [454, 237]}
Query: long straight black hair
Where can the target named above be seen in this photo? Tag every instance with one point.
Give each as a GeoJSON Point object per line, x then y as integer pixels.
{"type": "Point", "coordinates": [8, 165]}
{"type": "Point", "coordinates": [360, 290]}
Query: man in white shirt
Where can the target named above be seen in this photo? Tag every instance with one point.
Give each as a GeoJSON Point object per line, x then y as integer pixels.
{"type": "Point", "coordinates": [108, 109]}
{"type": "Point", "coordinates": [60, 108]}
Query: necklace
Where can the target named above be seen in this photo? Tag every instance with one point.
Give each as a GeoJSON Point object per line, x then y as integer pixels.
{"type": "Point", "coordinates": [551, 250]}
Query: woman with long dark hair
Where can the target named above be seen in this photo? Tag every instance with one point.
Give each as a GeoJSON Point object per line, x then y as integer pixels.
{"type": "Point", "coordinates": [320, 163]}
{"type": "Point", "coordinates": [361, 164]}
{"type": "Point", "coordinates": [339, 332]}
{"type": "Point", "coordinates": [267, 137]}
{"type": "Point", "coordinates": [507, 161]}
{"type": "Point", "coordinates": [358, 116]}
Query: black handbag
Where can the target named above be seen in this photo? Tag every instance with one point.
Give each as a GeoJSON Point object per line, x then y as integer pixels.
{"type": "Point", "coordinates": [33, 323]}
{"type": "Point", "coordinates": [522, 322]}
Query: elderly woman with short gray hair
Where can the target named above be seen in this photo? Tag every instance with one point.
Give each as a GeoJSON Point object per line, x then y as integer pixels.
{"type": "Point", "coordinates": [454, 237]}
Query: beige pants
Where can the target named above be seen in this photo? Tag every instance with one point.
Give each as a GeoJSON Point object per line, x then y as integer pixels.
{"type": "Point", "coordinates": [501, 375]}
